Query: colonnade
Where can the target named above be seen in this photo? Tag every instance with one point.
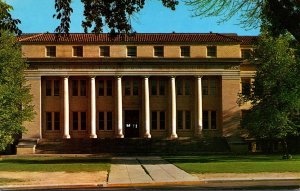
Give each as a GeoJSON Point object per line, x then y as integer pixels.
{"type": "Point", "coordinates": [119, 120]}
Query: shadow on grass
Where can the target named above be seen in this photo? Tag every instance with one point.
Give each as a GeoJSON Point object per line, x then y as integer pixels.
{"type": "Point", "coordinates": [224, 158]}
{"type": "Point", "coordinates": [56, 161]}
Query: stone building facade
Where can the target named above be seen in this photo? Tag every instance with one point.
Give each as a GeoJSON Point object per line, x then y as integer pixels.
{"type": "Point", "coordinates": [143, 85]}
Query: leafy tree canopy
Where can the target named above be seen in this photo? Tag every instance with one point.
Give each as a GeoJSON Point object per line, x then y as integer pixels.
{"type": "Point", "coordinates": [281, 14]}
{"type": "Point", "coordinates": [115, 14]}
{"type": "Point", "coordinates": [6, 20]}
{"type": "Point", "coordinates": [15, 100]}
{"type": "Point", "coordinates": [275, 96]}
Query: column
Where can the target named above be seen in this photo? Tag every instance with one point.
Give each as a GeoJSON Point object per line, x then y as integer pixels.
{"type": "Point", "coordinates": [93, 108]}
{"type": "Point", "coordinates": [173, 108]}
{"type": "Point", "coordinates": [66, 108]}
{"type": "Point", "coordinates": [199, 124]}
{"type": "Point", "coordinates": [119, 108]}
{"type": "Point", "coordinates": [147, 108]}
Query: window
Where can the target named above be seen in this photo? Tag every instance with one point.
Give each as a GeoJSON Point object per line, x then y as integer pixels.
{"type": "Point", "coordinates": [109, 87]}
{"type": "Point", "coordinates": [49, 120]}
{"type": "Point", "coordinates": [52, 121]}
{"type": "Point", "coordinates": [246, 53]}
{"type": "Point", "coordinates": [158, 87]}
{"type": "Point", "coordinates": [185, 51]}
{"type": "Point", "coordinates": [210, 86]}
{"type": "Point", "coordinates": [158, 121]}
{"type": "Point", "coordinates": [101, 120]}
{"type": "Point", "coordinates": [48, 87]}
{"type": "Point", "coordinates": [246, 86]}
{"type": "Point", "coordinates": [79, 121]}
{"type": "Point", "coordinates": [104, 51]}
{"type": "Point", "coordinates": [211, 51]}
{"type": "Point", "coordinates": [78, 87]}
{"type": "Point", "coordinates": [154, 120]}
{"type": "Point", "coordinates": [153, 87]}
{"type": "Point", "coordinates": [56, 87]}
{"type": "Point", "coordinates": [205, 119]}
{"type": "Point", "coordinates": [131, 51]}
{"type": "Point", "coordinates": [183, 87]}
{"type": "Point", "coordinates": [51, 51]}
{"type": "Point", "coordinates": [101, 88]}
{"type": "Point", "coordinates": [131, 87]}
{"type": "Point", "coordinates": [183, 120]}
{"type": "Point", "coordinates": [158, 51]}
{"type": "Point", "coordinates": [77, 51]}
{"type": "Point", "coordinates": [105, 120]}
{"type": "Point", "coordinates": [105, 84]}
{"type": "Point", "coordinates": [52, 87]}
{"type": "Point", "coordinates": [209, 120]}
{"type": "Point", "coordinates": [56, 120]}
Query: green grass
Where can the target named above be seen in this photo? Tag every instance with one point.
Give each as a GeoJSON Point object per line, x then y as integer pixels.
{"type": "Point", "coordinates": [235, 164]}
{"type": "Point", "coordinates": [47, 164]}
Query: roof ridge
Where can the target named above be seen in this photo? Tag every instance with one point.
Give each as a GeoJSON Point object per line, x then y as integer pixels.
{"type": "Point", "coordinates": [229, 37]}
{"type": "Point", "coordinates": [30, 37]}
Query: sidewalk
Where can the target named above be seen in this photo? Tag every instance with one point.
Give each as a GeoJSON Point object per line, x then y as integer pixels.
{"type": "Point", "coordinates": [146, 171]}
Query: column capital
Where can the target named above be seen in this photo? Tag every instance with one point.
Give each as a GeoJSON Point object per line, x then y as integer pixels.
{"type": "Point", "coordinates": [146, 76]}
{"type": "Point", "coordinates": [199, 76]}
{"type": "Point", "coordinates": [66, 76]}
{"type": "Point", "coordinates": [118, 76]}
{"type": "Point", "coordinates": [93, 76]}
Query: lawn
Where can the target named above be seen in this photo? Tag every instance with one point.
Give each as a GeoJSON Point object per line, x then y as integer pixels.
{"type": "Point", "coordinates": [235, 164]}
{"type": "Point", "coordinates": [49, 164]}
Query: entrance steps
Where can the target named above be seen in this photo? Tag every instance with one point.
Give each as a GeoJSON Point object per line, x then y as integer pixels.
{"type": "Point", "coordinates": [134, 145]}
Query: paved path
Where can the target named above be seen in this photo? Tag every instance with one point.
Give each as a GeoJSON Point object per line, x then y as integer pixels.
{"type": "Point", "coordinates": [140, 170]}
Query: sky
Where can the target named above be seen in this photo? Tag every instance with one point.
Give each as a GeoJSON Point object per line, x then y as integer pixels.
{"type": "Point", "coordinates": [36, 17]}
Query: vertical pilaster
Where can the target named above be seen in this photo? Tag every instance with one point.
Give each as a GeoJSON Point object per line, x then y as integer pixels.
{"type": "Point", "coordinates": [147, 108]}
{"type": "Point", "coordinates": [119, 108]}
{"type": "Point", "coordinates": [93, 108]}
{"type": "Point", "coordinates": [173, 108]}
{"type": "Point", "coordinates": [199, 125]}
{"type": "Point", "coordinates": [66, 108]}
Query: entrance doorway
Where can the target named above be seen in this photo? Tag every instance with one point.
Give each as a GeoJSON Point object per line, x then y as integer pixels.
{"type": "Point", "coordinates": [132, 123]}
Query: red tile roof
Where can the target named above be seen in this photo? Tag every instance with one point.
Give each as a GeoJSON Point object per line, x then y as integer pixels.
{"type": "Point", "coordinates": [135, 38]}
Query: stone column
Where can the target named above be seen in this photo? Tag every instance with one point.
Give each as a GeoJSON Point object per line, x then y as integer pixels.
{"type": "Point", "coordinates": [66, 108]}
{"type": "Point", "coordinates": [147, 108]}
{"type": "Point", "coordinates": [173, 110]}
{"type": "Point", "coordinates": [119, 108]}
{"type": "Point", "coordinates": [93, 108]}
{"type": "Point", "coordinates": [199, 124]}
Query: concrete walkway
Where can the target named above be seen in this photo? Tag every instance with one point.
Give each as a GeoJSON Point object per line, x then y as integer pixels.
{"type": "Point", "coordinates": [146, 170]}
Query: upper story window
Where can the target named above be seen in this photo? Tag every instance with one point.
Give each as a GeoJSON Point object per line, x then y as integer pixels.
{"type": "Point", "coordinates": [211, 51]}
{"type": "Point", "coordinates": [104, 51]}
{"type": "Point", "coordinates": [52, 87]}
{"type": "Point", "coordinates": [79, 87]}
{"type": "Point", "coordinates": [158, 51]}
{"type": "Point", "coordinates": [105, 88]}
{"type": "Point", "coordinates": [51, 51]}
{"type": "Point", "coordinates": [131, 51]}
{"type": "Point", "coordinates": [77, 51]}
{"type": "Point", "coordinates": [158, 87]}
{"type": "Point", "coordinates": [246, 53]}
{"type": "Point", "coordinates": [210, 87]}
{"type": "Point", "coordinates": [131, 87]}
{"type": "Point", "coordinates": [185, 51]}
{"type": "Point", "coordinates": [183, 87]}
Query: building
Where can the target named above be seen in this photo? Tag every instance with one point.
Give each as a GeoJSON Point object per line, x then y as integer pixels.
{"type": "Point", "coordinates": [143, 85]}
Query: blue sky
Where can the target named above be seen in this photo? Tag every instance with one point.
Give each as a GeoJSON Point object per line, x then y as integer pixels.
{"type": "Point", "coordinates": [36, 16]}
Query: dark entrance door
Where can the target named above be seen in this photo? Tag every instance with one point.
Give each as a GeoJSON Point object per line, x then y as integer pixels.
{"type": "Point", "coordinates": [131, 123]}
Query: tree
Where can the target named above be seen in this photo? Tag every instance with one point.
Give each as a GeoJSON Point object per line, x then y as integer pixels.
{"type": "Point", "coordinates": [115, 14]}
{"type": "Point", "coordinates": [275, 96]}
{"type": "Point", "coordinates": [281, 14]}
{"type": "Point", "coordinates": [15, 100]}
{"type": "Point", "coordinates": [6, 20]}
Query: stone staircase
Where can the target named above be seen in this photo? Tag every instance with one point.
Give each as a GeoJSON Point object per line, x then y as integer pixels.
{"type": "Point", "coordinates": [135, 146]}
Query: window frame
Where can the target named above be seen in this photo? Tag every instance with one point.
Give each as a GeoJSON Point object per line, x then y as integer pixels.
{"type": "Point", "coordinates": [159, 51]}
{"type": "Point", "coordinates": [185, 51]}
{"type": "Point", "coordinates": [104, 51]}
{"type": "Point", "coordinates": [51, 51]}
{"type": "Point", "coordinates": [77, 51]}
{"type": "Point", "coordinates": [131, 51]}
{"type": "Point", "coordinates": [211, 51]}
